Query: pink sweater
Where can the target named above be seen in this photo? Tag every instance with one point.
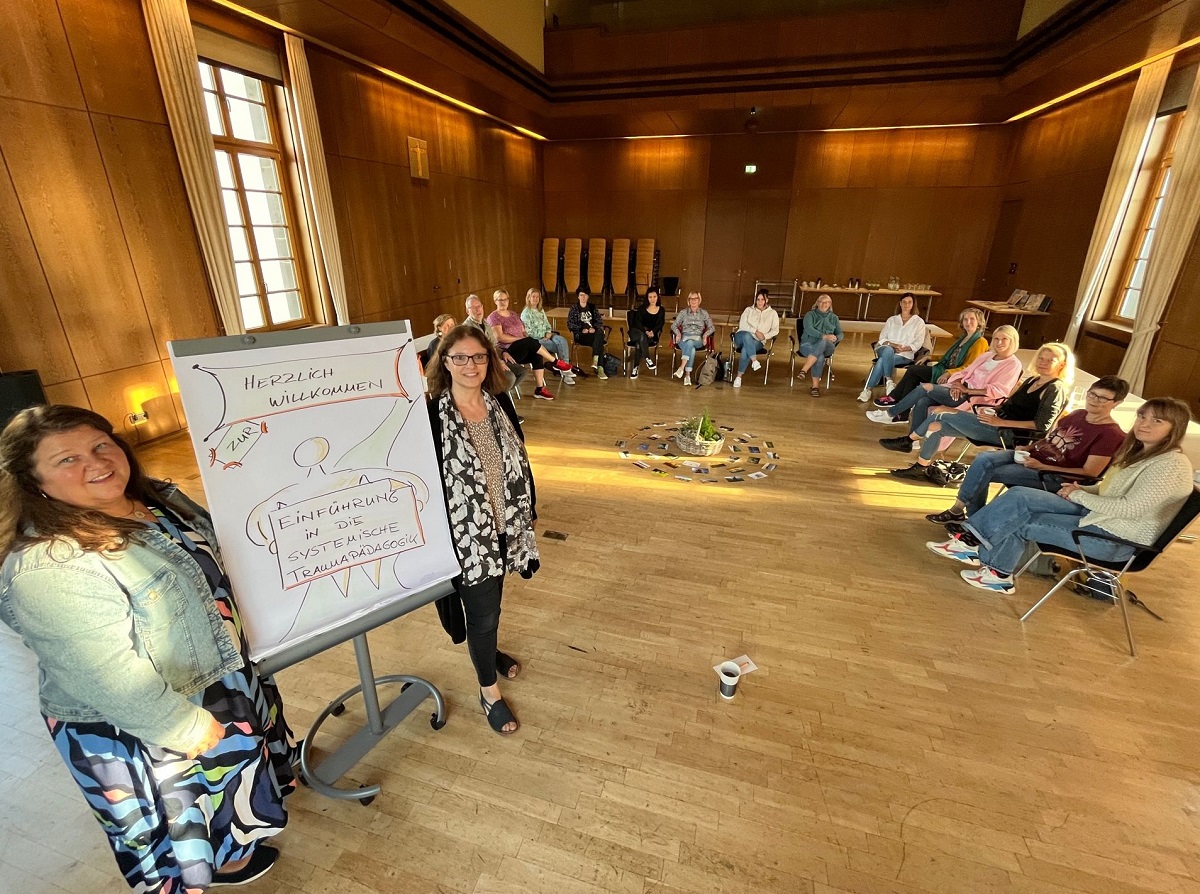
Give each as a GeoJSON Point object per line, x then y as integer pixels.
{"type": "Point", "coordinates": [997, 381]}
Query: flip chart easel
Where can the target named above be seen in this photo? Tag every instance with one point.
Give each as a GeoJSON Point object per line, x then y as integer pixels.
{"type": "Point", "coordinates": [347, 536]}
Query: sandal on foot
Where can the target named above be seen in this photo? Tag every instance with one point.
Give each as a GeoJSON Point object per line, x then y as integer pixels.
{"type": "Point", "coordinates": [815, 392]}
{"type": "Point", "coordinates": [507, 666]}
{"type": "Point", "coordinates": [261, 861]}
{"type": "Point", "coordinates": [498, 714]}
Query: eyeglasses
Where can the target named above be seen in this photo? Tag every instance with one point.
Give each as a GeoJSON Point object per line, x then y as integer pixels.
{"type": "Point", "coordinates": [461, 359]}
{"type": "Point", "coordinates": [1094, 396]}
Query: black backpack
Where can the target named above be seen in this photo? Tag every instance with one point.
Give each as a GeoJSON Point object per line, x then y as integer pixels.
{"type": "Point", "coordinates": [611, 364]}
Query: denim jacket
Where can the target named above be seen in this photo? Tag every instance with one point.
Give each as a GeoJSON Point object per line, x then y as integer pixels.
{"type": "Point", "coordinates": [127, 637]}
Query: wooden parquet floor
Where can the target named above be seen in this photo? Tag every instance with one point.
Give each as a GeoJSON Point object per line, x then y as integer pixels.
{"type": "Point", "coordinates": [904, 735]}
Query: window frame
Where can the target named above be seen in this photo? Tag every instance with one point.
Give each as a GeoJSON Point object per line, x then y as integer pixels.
{"type": "Point", "coordinates": [1150, 199]}
{"type": "Point", "coordinates": [280, 151]}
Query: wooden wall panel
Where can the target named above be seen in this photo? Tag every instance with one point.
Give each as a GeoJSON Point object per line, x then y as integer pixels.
{"type": "Point", "coordinates": [66, 199]}
{"type": "Point", "coordinates": [35, 63]}
{"type": "Point", "coordinates": [111, 53]}
{"type": "Point", "coordinates": [419, 247]}
{"type": "Point", "coordinates": [139, 159]}
{"type": "Point", "coordinates": [34, 337]}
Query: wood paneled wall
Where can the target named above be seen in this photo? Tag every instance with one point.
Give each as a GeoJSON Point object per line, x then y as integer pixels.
{"type": "Point", "coordinates": [417, 248]}
{"type": "Point", "coordinates": [1060, 166]}
{"type": "Point", "coordinates": [918, 204]}
{"type": "Point", "coordinates": [99, 264]}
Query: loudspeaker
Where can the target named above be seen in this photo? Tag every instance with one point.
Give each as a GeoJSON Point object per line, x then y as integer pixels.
{"type": "Point", "coordinates": [19, 390]}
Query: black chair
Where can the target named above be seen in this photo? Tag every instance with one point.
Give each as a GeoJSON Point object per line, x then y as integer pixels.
{"type": "Point", "coordinates": [1017, 437]}
{"type": "Point", "coordinates": [627, 345]}
{"type": "Point", "coordinates": [731, 367]}
{"type": "Point", "coordinates": [1108, 574]}
{"type": "Point", "coordinates": [794, 344]}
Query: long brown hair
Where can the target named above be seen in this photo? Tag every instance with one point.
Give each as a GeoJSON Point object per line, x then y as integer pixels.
{"type": "Point", "coordinates": [437, 373]}
{"type": "Point", "coordinates": [1171, 409]}
{"type": "Point", "coordinates": [28, 516]}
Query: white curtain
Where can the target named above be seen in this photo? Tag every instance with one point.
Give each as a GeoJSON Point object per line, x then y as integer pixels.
{"type": "Point", "coordinates": [1131, 148]}
{"type": "Point", "coordinates": [1173, 238]}
{"type": "Point", "coordinates": [316, 175]}
{"type": "Point", "coordinates": [174, 48]}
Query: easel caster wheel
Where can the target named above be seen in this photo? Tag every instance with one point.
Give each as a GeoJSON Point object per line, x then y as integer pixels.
{"type": "Point", "coordinates": [365, 802]}
{"type": "Point", "coordinates": [338, 711]}
{"type": "Point", "coordinates": [435, 723]}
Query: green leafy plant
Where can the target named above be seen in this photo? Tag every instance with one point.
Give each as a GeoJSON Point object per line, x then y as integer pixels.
{"type": "Point", "coordinates": [701, 428]}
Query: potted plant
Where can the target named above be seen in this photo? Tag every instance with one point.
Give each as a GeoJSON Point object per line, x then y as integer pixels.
{"type": "Point", "coordinates": [699, 437]}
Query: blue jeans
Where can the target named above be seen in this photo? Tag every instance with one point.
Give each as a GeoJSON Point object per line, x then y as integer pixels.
{"type": "Point", "coordinates": [820, 350]}
{"type": "Point", "coordinates": [998, 467]}
{"type": "Point", "coordinates": [747, 346]}
{"type": "Point", "coordinates": [919, 401]}
{"type": "Point", "coordinates": [963, 424]}
{"type": "Point", "coordinates": [557, 345]}
{"type": "Point", "coordinates": [1022, 516]}
{"type": "Point", "coordinates": [886, 363]}
{"type": "Point", "coordinates": [688, 346]}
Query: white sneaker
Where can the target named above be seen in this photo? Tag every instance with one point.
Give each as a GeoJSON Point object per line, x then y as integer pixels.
{"type": "Point", "coordinates": [987, 579]}
{"type": "Point", "coordinates": [567, 378]}
{"type": "Point", "coordinates": [755, 365]}
{"type": "Point", "coordinates": [737, 382]}
{"type": "Point", "coordinates": [633, 373]}
{"type": "Point", "coordinates": [955, 549]}
{"type": "Point", "coordinates": [650, 364]}
{"type": "Point", "coordinates": [687, 378]}
{"type": "Point", "coordinates": [678, 373]}
{"type": "Point", "coordinates": [882, 416]}
{"type": "Point", "coordinates": [888, 385]}
{"type": "Point", "coordinates": [864, 395]}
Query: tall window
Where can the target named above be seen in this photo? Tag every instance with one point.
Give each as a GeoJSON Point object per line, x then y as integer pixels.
{"type": "Point", "coordinates": [246, 126]}
{"type": "Point", "coordinates": [1157, 170]}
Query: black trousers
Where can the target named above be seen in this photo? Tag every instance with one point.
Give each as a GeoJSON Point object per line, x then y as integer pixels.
{"type": "Point", "coordinates": [525, 350]}
{"type": "Point", "coordinates": [641, 344]}
{"type": "Point", "coordinates": [481, 606]}
{"type": "Point", "coordinates": [595, 340]}
{"type": "Point", "coordinates": [914, 377]}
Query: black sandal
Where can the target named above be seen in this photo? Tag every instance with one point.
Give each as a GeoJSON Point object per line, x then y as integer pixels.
{"type": "Point", "coordinates": [505, 665]}
{"type": "Point", "coordinates": [498, 714]}
{"type": "Point", "coordinates": [815, 392]}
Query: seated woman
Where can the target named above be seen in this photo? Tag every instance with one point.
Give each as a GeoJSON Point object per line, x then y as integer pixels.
{"type": "Point", "coordinates": [689, 332]}
{"type": "Point", "coordinates": [759, 322]}
{"type": "Point", "coordinates": [1082, 444]}
{"type": "Point", "coordinates": [986, 381]}
{"type": "Point", "coordinates": [442, 324]}
{"type": "Point", "coordinates": [537, 326]}
{"type": "Point", "coordinates": [901, 337]}
{"type": "Point", "coordinates": [587, 326]}
{"type": "Point", "coordinates": [645, 329]}
{"type": "Point", "coordinates": [1150, 480]}
{"type": "Point", "coordinates": [1031, 410]}
{"type": "Point", "coordinates": [511, 337]}
{"type": "Point", "coordinates": [819, 333]}
{"type": "Point", "coordinates": [967, 348]}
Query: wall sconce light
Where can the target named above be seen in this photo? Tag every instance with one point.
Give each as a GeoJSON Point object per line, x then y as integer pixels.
{"type": "Point", "coordinates": [138, 418]}
{"type": "Point", "coordinates": [751, 169]}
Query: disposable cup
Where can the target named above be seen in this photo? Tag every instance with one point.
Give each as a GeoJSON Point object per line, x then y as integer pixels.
{"type": "Point", "coordinates": [730, 674]}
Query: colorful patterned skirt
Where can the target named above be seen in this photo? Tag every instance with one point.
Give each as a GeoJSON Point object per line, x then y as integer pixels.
{"type": "Point", "coordinates": [172, 821]}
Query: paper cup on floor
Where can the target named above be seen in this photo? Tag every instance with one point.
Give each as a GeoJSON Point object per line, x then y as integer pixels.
{"type": "Point", "coordinates": [730, 674]}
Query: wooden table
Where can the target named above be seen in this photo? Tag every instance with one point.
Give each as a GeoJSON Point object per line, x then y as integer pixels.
{"type": "Point", "coordinates": [1003, 307]}
{"type": "Point", "coordinates": [865, 295]}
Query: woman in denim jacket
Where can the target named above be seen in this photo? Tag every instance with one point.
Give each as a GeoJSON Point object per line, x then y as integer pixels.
{"type": "Point", "coordinates": [114, 581]}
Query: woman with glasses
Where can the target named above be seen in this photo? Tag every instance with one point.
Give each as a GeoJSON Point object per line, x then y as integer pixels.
{"type": "Point", "coordinates": [490, 496]}
{"type": "Point", "coordinates": [1081, 445]}
{"type": "Point", "coordinates": [1150, 481]}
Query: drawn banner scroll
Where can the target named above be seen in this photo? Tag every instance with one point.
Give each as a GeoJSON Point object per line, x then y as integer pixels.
{"type": "Point", "coordinates": [336, 532]}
